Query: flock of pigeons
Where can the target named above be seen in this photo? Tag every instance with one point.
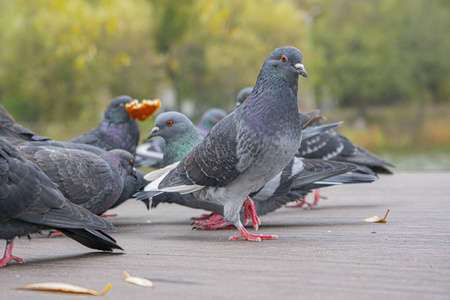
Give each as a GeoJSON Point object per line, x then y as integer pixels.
{"type": "Point", "coordinates": [239, 166]}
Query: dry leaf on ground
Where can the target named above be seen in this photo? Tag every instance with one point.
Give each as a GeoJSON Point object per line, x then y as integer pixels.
{"type": "Point", "coordinates": [60, 287]}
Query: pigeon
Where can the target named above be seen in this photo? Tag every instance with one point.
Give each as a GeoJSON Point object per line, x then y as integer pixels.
{"type": "Point", "coordinates": [180, 136]}
{"type": "Point", "coordinates": [92, 181]}
{"type": "Point", "coordinates": [7, 120]}
{"type": "Point", "coordinates": [150, 153]}
{"type": "Point", "coordinates": [247, 148]}
{"type": "Point", "coordinates": [330, 145]}
{"type": "Point", "coordinates": [290, 185]}
{"type": "Point", "coordinates": [117, 130]}
{"type": "Point", "coordinates": [31, 202]}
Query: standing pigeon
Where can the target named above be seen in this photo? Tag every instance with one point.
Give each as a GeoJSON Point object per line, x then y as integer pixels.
{"type": "Point", "coordinates": [92, 181]}
{"type": "Point", "coordinates": [150, 153]}
{"type": "Point", "coordinates": [117, 130]}
{"type": "Point", "coordinates": [248, 147]}
{"type": "Point", "coordinates": [30, 202]}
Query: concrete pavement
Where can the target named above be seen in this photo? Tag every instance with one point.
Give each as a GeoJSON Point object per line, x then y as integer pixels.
{"type": "Point", "coordinates": [325, 253]}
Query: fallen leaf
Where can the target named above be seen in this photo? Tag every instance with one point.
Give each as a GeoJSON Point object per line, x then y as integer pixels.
{"type": "Point", "coordinates": [138, 280]}
{"type": "Point", "coordinates": [59, 287]}
{"type": "Point", "coordinates": [375, 219]}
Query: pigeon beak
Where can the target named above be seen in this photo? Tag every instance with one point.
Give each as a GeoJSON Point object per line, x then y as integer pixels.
{"type": "Point", "coordinates": [301, 70]}
{"type": "Point", "coordinates": [134, 173]}
{"type": "Point", "coordinates": [153, 133]}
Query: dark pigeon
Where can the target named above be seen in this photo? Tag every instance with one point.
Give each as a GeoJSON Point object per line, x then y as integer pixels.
{"type": "Point", "coordinates": [117, 130]}
{"type": "Point", "coordinates": [150, 153]}
{"type": "Point", "coordinates": [248, 147]}
{"type": "Point", "coordinates": [92, 181]}
{"type": "Point", "coordinates": [7, 120]}
{"type": "Point", "coordinates": [30, 202]}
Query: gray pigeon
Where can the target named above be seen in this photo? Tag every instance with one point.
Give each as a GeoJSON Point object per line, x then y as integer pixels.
{"type": "Point", "coordinates": [7, 120]}
{"type": "Point", "coordinates": [248, 147]}
{"type": "Point", "coordinates": [150, 153]}
{"type": "Point", "coordinates": [117, 130]}
{"type": "Point", "coordinates": [92, 181]}
{"type": "Point", "coordinates": [30, 202]}
{"type": "Point", "coordinates": [291, 184]}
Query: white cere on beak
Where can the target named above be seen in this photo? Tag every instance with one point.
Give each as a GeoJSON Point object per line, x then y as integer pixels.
{"type": "Point", "coordinates": [299, 66]}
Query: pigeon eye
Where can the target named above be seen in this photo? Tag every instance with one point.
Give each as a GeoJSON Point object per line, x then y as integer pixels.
{"type": "Point", "coordinates": [169, 123]}
{"type": "Point", "coordinates": [283, 58]}
{"type": "Point", "coordinates": [130, 162]}
{"type": "Point", "coordinates": [245, 97]}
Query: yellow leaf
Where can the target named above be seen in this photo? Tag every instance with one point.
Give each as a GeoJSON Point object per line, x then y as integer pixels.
{"type": "Point", "coordinates": [59, 287]}
{"type": "Point", "coordinates": [138, 280]}
{"type": "Point", "coordinates": [375, 219]}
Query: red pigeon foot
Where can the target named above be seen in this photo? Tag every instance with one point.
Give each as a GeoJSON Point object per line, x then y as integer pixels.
{"type": "Point", "coordinates": [216, 222]}
{"type": "Point", "coordinates": [251, 237]}
{"type": "Point", "coordinates": [8, 254]}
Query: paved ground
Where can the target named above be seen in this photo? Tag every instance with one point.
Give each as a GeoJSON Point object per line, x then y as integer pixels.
{"type": "Point", "coordinates": [325, 253]}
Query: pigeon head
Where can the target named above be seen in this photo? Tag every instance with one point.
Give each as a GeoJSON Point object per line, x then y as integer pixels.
{"type": "Point", "coordinates": [178, 132]}
{"type": "Point", "coordinates": [123, 160]}
{"type": "Point", "coordinates": [171, 125]}
{"type": "Point", "coordinates": [285, 63]}
{"type": "Point", "coordinates": [116, 111]}
{"type": "Point", "coordinates": [243, 95]}
{"type": "Point", "coordinates": [211, 117]}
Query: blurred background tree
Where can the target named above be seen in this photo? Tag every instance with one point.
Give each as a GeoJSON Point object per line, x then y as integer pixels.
{"type": "Point", "coordinates": [381, 66]}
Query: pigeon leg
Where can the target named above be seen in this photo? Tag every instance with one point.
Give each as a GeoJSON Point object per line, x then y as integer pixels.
{"type": "Point", "coordinates": [203, 217]}
{"type": "Point", "coordinates": [217, 222]}
{"type": "Point", "coordinates": [251, 237]}
{"type": "Point", "coordinates": [8, 254]}
{"type": "Point", "coordinates": [317, 197]}
{"type": "Point", "coordinates": [249, 206]}
{"type": "Point", "coordinates": [298, 204]}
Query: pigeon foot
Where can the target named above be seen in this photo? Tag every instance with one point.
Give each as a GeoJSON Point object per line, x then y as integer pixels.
{"type": "Point", "coordinates": [317, 197]}
{"type": "Point", "coordinates": [249, 206]}
{"type": "Point", "coordinates": [216, 222]}
{"type": "Point", "coordinates": [251, 237]}
{"type": "Point", "coordinates": [8, 254]}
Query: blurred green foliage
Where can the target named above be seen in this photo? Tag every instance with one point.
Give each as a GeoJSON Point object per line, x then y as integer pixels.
{"type": "Point", "coordinates": [63, 61]}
